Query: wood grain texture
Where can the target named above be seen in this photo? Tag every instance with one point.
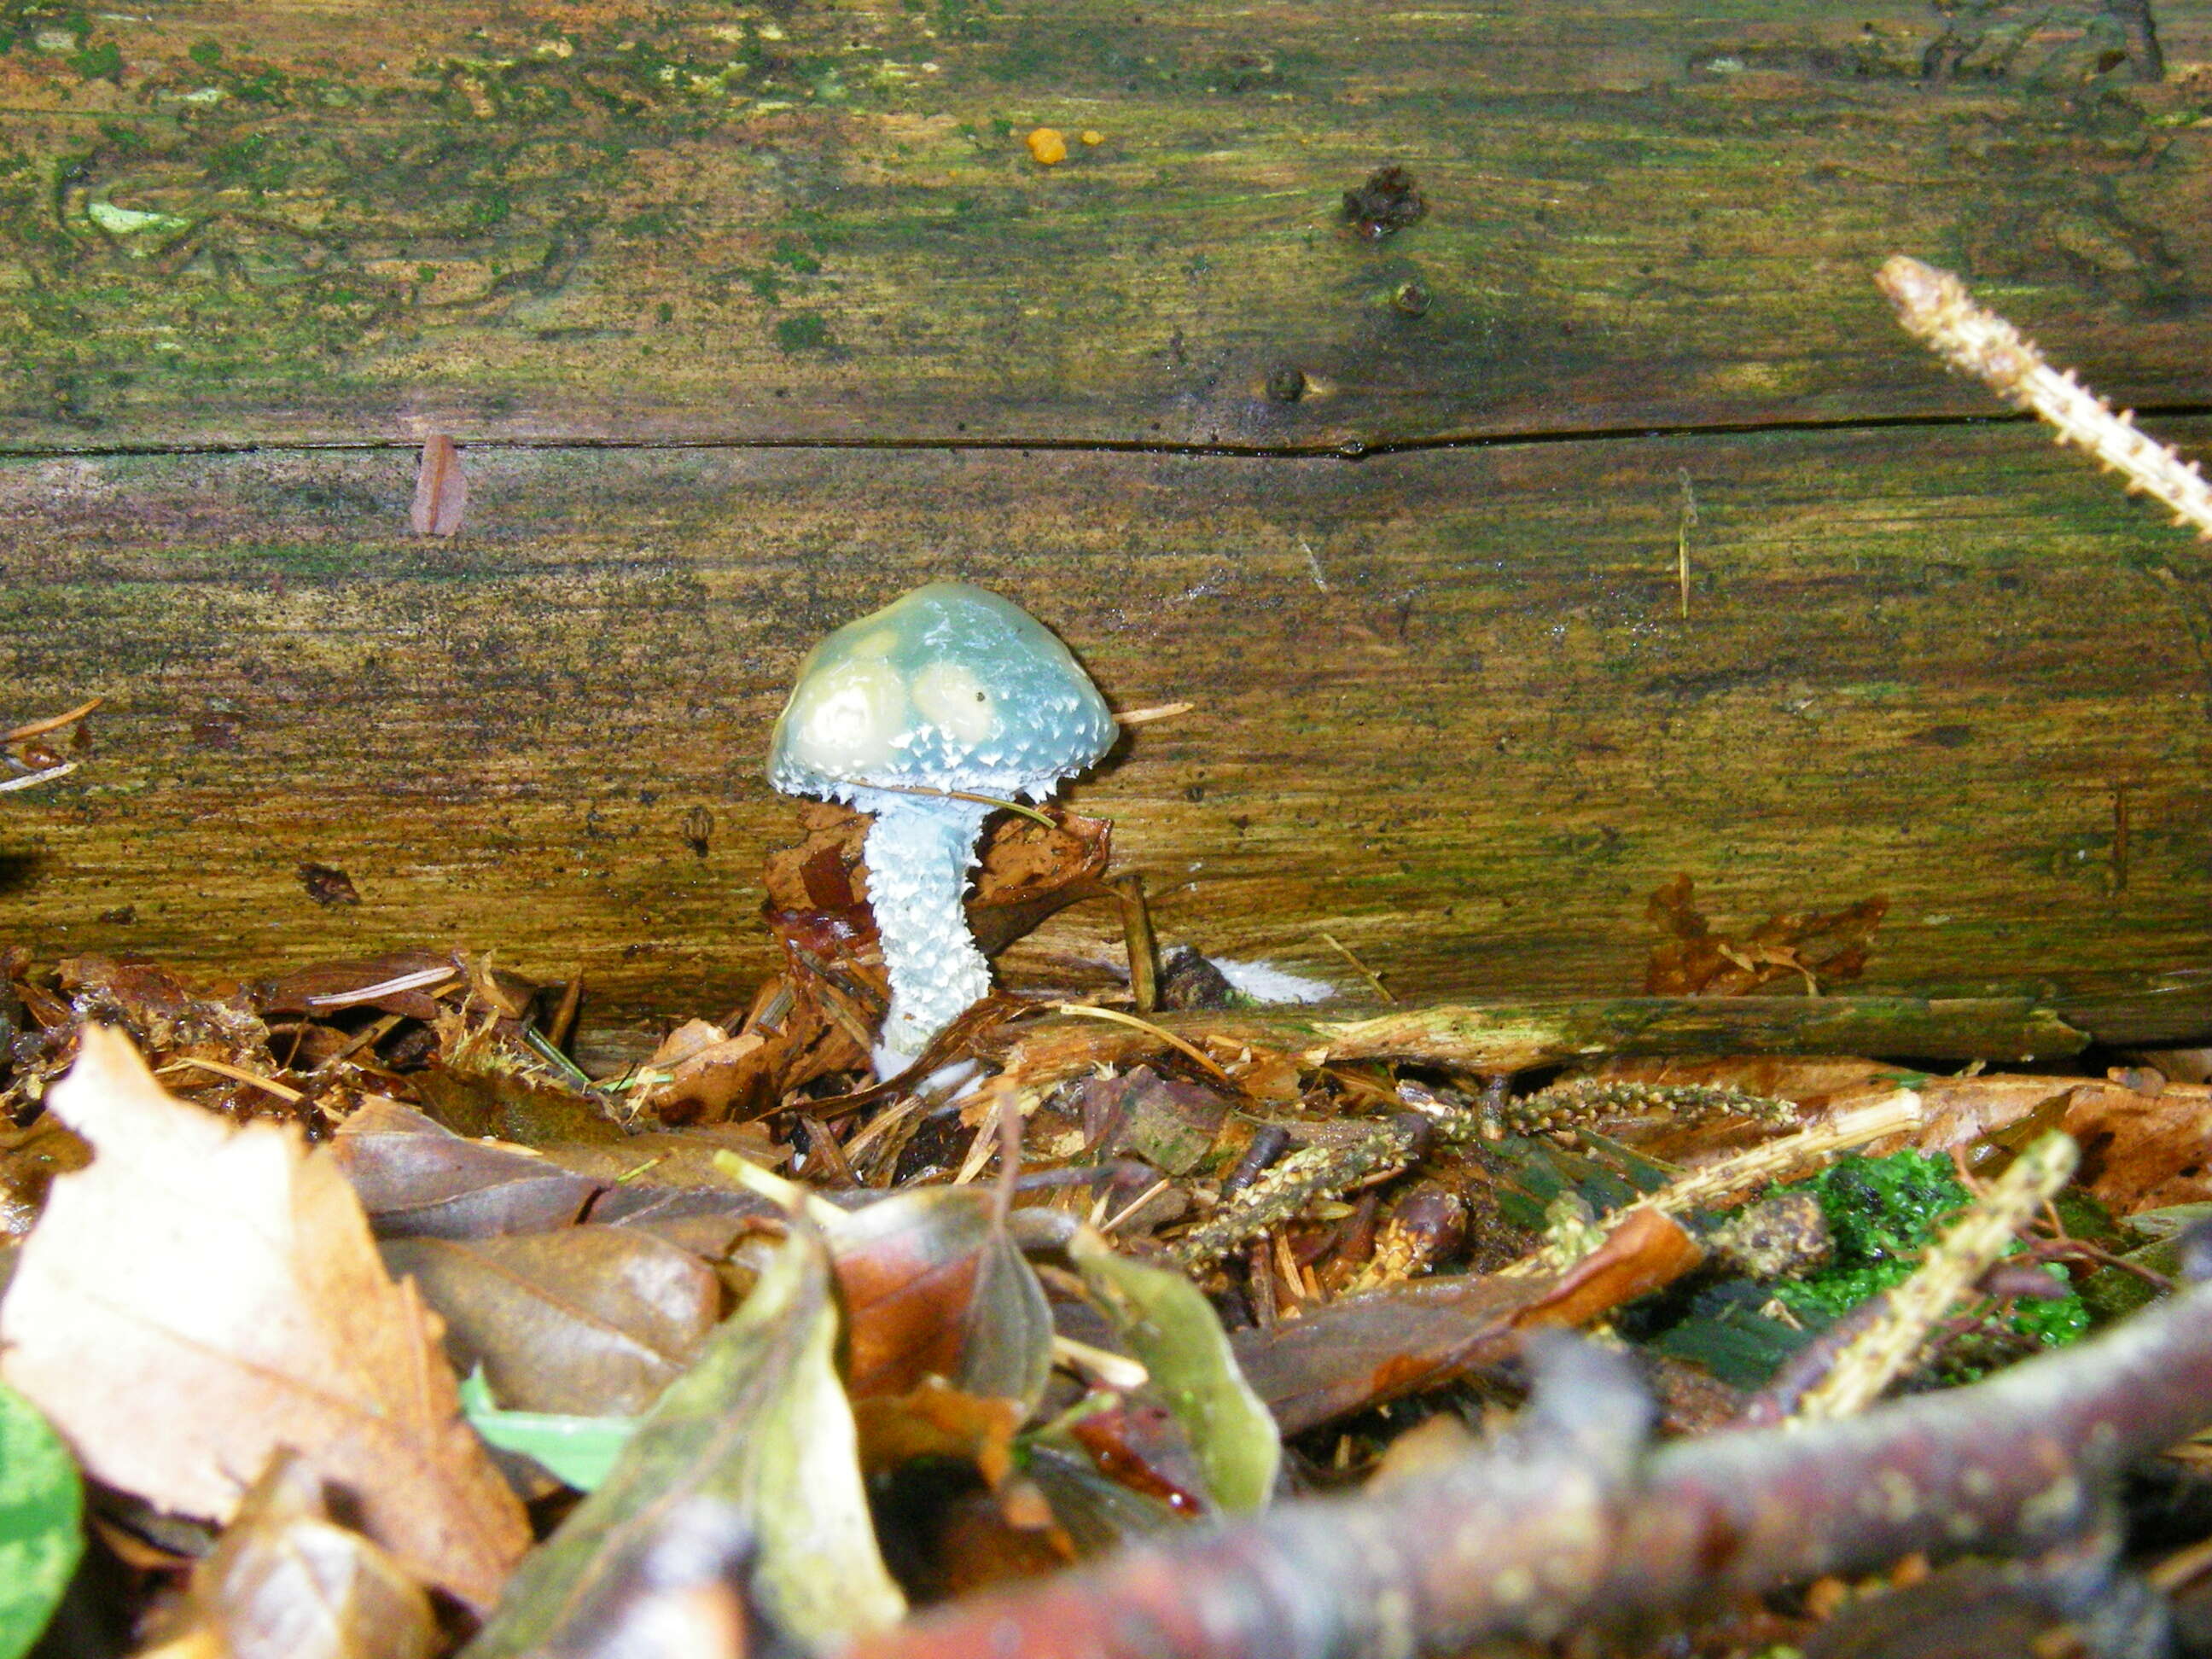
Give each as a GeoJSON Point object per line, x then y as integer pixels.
{"type": "Point", "coordinates": [224, 223]}
{"type": "Point", "coordinates": [1447, 710]}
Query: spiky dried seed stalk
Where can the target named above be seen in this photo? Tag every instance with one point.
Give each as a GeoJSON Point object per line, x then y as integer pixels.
{"type": "Point", "coordinates": [1935, 308]}
{"type": "Point", "coordinates": [1595, 1100]}
{"type": "Point", "coordinates": [1285, 1189]}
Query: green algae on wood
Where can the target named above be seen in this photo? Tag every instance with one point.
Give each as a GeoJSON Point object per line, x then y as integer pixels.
{"type": "Point", "coordinates": [527, 222]}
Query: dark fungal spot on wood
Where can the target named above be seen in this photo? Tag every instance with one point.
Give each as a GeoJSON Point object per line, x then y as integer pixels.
{"type": "Point", "coordinates": [698, 830]}
{"type": "Point", "coordinates": [327, 884]}
{"type": "Point", "coordinates": [1945, 737]}
{"type": "Point", "coordinates": [1387, 202]}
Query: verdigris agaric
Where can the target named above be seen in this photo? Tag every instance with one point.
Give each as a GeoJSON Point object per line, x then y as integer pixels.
{"type": "Point", "coordinates": [948, 689]}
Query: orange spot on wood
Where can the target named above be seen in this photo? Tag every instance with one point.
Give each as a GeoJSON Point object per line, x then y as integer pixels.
{"type": "Point", "coordinates": [1048, 147]}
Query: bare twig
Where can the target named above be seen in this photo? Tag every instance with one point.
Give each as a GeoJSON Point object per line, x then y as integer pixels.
{"type": "Point", "coordinates": [1164, 711]}
{"type": "Point", "coordinates": [28, 762]}
{"type": "Point", "coordinates": [237, 1074]}
{"type": "Point", "coordinates": [1682, 527]}
{"type": "Point", "coordinates": [1358, 967]}
{"type": "Point", "coordinates": [43, 774]}
{"type": "Point", "coordinates": [1783, 1157]}
{"type": "Point", "coordinates": [1113, 1016]}
{"type": "Point", "coordinates": [1572, 1526]}
{"type": "Point", "coordinates": [1137, 935]}
{"type": "Point", "coordinates": [422, 979]}
{"type": "Point", "coordinates": [40, 728]}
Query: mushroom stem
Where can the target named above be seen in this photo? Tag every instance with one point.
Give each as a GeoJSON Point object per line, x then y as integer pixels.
{"type": "Point", "coordinates": [919, 850]}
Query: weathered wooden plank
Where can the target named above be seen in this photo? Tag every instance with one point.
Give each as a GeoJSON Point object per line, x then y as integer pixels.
{"type": "Point", "coordinates": [1449, 710]}
{"type": "Point", "coordinates": [295, 220]}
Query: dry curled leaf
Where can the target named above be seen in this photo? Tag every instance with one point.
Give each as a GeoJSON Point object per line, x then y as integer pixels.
{"type": "Point", "coordinates": [1025, 871]}
{"type": "Point", "coordinates": [206, 1294]}
{"type": "Point", "coordinates": [286, 1582]}
{"type": "Point", "coordinates": [2143, 1151]}
{"type": "Point", "coordinates": [707, 1072]}
{"type": "Point", "coordinates": [1787, 949]}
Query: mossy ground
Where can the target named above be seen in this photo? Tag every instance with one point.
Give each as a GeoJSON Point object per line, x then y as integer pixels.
{"type": "Point", "coordinates": [1883, 1213]}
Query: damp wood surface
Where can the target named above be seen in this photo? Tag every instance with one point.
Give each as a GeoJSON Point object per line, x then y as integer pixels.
{"type": "Point", "coordinates": [547, 221]}
{"type": "Point", "coordinates": [747, 318]}
{"type": "Point", "coordinates": [1447, 710]}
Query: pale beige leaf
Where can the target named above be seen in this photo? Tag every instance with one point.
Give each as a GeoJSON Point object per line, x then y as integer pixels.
{"type": "Point", "coordinates": [207, 1293]}
{"type": "Point", "coordinates": [442, 488]}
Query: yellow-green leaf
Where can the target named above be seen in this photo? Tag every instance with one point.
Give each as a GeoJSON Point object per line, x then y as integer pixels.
{"type": "Point", "coordinates": [1170, 1327]}
{"type": "Point", "coordinates": [759, 1423]}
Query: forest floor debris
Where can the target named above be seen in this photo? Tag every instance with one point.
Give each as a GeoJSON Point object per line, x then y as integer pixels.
{"type": "Point", "coordinates": [1177, 1291]}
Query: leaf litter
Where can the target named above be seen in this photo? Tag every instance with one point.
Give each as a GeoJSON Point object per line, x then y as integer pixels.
{"type": "Point", "coordinates": [1117, 1261]}
{"type": "Point", "coordinates": [219, 1281]}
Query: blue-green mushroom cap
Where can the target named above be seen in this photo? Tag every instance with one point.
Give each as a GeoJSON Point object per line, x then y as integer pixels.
{"type": "Point", "coordinates": [950, 687]}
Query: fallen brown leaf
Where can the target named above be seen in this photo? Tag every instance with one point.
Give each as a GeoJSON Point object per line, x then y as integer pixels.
{"type": "Point", "coordinates": [30, 1158]}
{"type": "Point", "coordinates": [1169, 1123]}
{"type": "Point", "coordinates": [1804, 950]}
{"type": "Point", "coordinates": [2141, 1151]}
{"type": "Point", "coordinates": [587, 1321]}
{"type": "Point", "coordinates": [286, 1582]}
{"type": "Point", "coordinates": [205, 1295]}
{"type": "Point", "coordinates": [709, 1071]}
{"type": "Point", "coordinates": [933, 1286]}
{"type": "Point", "coordinates": [759, 1428]}
{"type": "Point", "coordinates": [416, 1178]}
{"type": "Point", "coordinates": [1383, 1345]}
{"type": "Point", "coordinates": [334, 984]}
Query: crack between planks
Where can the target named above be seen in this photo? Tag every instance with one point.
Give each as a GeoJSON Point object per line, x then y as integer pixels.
{"type": "Point", "coordinates": [1347, 450]}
